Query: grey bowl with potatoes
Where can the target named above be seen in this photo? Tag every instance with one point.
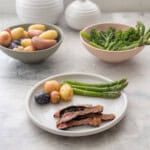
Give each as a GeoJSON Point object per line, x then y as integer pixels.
{"type": "Point", "coordinates": [30, 43]}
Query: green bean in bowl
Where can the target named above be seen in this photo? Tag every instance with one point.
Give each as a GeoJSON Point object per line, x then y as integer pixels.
{"type": "Point", "coordinates": [115, 42]}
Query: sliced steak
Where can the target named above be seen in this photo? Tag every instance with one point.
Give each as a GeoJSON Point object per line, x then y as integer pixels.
{"type": "Point", "coordinates": [72, 115]}
{"type": "Point", "coordinates": [89, 119]}
{"type": "Point", "coordinates": [71, 109]}
{"type": "Point", "coordinates": [94, 121]}
{"type": "Point", "coordinates": [104, 117]}
{"type": "Point", "coordinates": [91, 115]}
{"type": "Point", "coordinates": [107, 117]}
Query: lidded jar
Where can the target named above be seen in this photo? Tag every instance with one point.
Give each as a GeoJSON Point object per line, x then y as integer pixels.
{"type": "Point", "coordinates": [39, 11]}
{"type": "Point", "coordinates": [82, 13]}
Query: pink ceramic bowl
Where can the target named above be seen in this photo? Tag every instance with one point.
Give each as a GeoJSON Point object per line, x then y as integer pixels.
{"type": "Point", "coordinates": [109, 56]}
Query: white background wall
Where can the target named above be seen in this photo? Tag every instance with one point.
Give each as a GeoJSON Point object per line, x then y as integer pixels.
{"type": "Point", "coordinates": [8, 6]}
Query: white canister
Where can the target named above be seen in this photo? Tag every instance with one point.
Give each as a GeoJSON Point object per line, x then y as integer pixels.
{"type": "Point", "coordinates": [82, 13]}
{"type": "Point", "coordinates": [39, 11]}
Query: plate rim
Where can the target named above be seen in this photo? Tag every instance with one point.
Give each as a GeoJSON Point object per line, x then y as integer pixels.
{"type": "Point", "coordinates": [69, 133]}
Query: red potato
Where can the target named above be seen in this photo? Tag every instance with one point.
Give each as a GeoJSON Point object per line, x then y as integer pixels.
{"type": "Point", "coordinates": [40, 44]}
{"type": "Point", "coordinates": [8, 30]}
{"type": "Point", "coordinates": [5, 38]}
{"type": "Point", "coordinates": [33, 33]}
{"type": "Point", "coordinates": [55, 97]}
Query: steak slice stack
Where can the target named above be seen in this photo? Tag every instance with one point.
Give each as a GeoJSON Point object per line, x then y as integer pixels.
{"type": "Point", "coordinates": [72, 108]}
{"type": "Point", "coordinates": [94, 121]}
{"type": "Point", "coordinates": [81, 115]}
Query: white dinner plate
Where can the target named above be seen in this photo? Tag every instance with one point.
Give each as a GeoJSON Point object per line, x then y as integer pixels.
{"type": "Point", "coordinates": [42, 116]}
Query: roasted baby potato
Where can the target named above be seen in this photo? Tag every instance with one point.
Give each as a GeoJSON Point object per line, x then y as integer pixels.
{"type": "Point", "coordinates": [37, 27]}
{"type": "Point", "coordinates": [66, 92]}
{"type": "Point", "coordinates": [5, 38]}
{"type": "Point", "coordinates": [55, 97]}
{"type": "Point", "coordinates": [26, 34]}
{"type": "Point", "coordinates": [19, 48]}
{"type": "Point", "coordinates": [49, 34]}
{"type": "Point", "coordinates": [50, 86]}
{"type": "Point", "coordinates": [17, 33]}
{"type": "Point", "coordinates": [26, 42]}
{"type": "Point", "coordinates": [29, 48]}
{"type": "Point", "coordinates": [40, 44]}
{"type": "Point", "coordinates": [33, 33]}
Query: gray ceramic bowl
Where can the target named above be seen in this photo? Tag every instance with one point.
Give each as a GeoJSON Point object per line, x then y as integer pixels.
{"type": "Point", "coordinates": [109, 56]}
{"type": "Point", "coordinates": [36, 56]}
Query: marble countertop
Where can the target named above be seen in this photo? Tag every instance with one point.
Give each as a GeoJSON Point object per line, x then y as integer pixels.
{"type": "Point", "coordinates": [18, 133]}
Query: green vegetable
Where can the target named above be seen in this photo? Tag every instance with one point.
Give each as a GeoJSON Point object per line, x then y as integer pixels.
{"type": "Point", "coordinates": [147, 42]}
{"type": "Point", "coordinates": [141, 28]}
{"type": "Point", "coordinates": [109, 84]}
{"type": "Point", "coordinates": [95, 45]}
{"type": "Point", "coordinates": [110, 95]}
{"type": "Point", "coordinates": [85, 35]}
{"type": "Point", "coordinates": [130, 46]}
{"type": "Point", "coordinates": [103, 90]}
{"type": "Point", "coordinates": [117, 87]}
{"type": "Point", "coordinates": [112, 40]}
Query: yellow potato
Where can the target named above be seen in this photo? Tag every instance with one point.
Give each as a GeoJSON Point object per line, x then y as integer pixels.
{"type": "Point", "coordinates": [26, 34]}
{"type": "Point", "coordinates": [29, 49]}
{"type": "Point", "coordinates": [66, 92]}
{"type": "Point", "coordinates": [19, 48]}
{"type": "Point", "coordinates": [37, 27]}
{"type": "Point", "coordinates": [51, 85]}
{"type": "Point", "coordinates": [5, 38]}
{"type": "Point", "coordinates": [17, 33]}
{"type": "Point", "coordinates": [49, 35]}
{"type": "Point", "coordinates": [26, 42]}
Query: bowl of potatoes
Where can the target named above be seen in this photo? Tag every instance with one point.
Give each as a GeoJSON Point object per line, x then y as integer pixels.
{"type": "Point", "coordinates": [30, 43]}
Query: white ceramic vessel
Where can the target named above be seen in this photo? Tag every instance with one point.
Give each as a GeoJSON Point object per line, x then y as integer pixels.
{"type": "Point", "coordinates": [43, 116]}
{"type": "Point", "coordinates": [41, 11]}
{"type": "Point", "coordinates": [82, 13]}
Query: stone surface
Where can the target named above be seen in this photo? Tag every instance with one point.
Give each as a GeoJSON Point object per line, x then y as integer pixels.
{"type": "Point", "coordinates": [16, 79]}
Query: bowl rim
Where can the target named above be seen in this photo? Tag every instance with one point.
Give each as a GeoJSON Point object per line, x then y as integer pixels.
{"type": "Point", "coordinates": [97, 49]}
{"type": "Point", "coordinates": [38, 51]}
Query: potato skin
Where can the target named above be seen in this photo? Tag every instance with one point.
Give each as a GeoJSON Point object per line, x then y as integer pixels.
{"type": "Point", "coordinates": [66, 92]}
{"type": "Point", "coordinates": [29, 49]}
{"type": "Point", "coordinates": [8, 30]}
{"type": "Point", "coordinates": [49, 34]}
{"type": "Point", "coordinates": [40, 44]}
{"type": "Point", "coordinates": [55, 97]}
{"type": "Point", "coordinates": [19, 48]}
{"type": "Point", "coordinates": [51, 85]}
{"type": "Point", "coordinates": [33, 33]}
{"type": "Point", "coordinates": [17, 33]}
{"type": "Point", "coordinates": [5, 38]}
{"type": "Point", "coordinates": [26, 42]}
{"type": "Point", "coordinates": [26, 34]}
{"type": "Point", "coordinates": [37, 27]}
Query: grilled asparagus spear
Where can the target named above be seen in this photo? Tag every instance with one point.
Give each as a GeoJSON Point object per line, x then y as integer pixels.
{"type": "Point", "coordinates": [109, 84]}
{"type": "Point", "coordinates": [118, 87]}
{"type": "Point", "coordinates": [110, 95]}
